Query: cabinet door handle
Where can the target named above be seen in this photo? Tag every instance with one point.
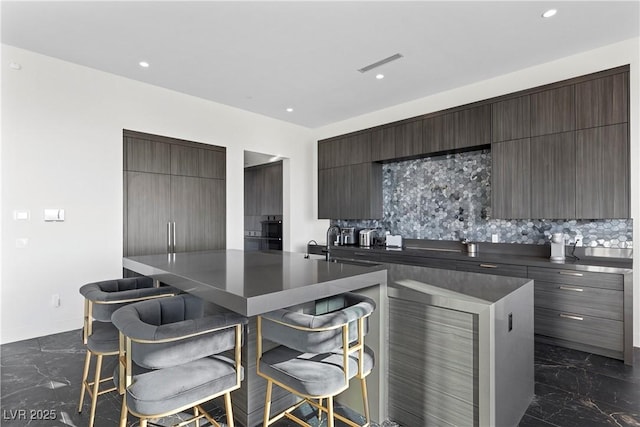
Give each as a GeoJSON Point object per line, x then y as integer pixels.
{"type": "Point", "coordinates": [169, 237]}
{"type": "Point", "coordinates": [488, 266]}
{"type": "Point", "coordinates": [570, 273]}
{"type": "Point", "coordinates": [571, 316]}
{"type": "Point", "coordinates": [174, 237]}
{"type": "Point", "coordinates": [569, 288]}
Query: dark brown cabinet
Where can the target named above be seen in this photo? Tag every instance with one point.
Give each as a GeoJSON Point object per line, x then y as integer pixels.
{"type": "Point", "coordinates": [408, 139]}
{"type": "Point", "coordinates": [511, 179]}
{"type": "Point", "coordinates": [602, 165]}
{"type": "Point", "coordinates": [350, 192]}
{"type": "Point", "coordinates": [263, 190]}
{"type": "Point", "coordinates": [603, 101]}
{"type": "Point", "coordinates": [553, 176]}
{"type": "Point", "coordinates": [197, 214]}
{"type": "Point", "coordinates": [511, 119]}
{"type": "Point", "coordinates": [553, 111]}
{"type": "Point", "coordinates": [344, 151]}
{"type": "Point", "coordinates": [174, 195]}
{"type": "Point", "coordinates": [189, 161]}
{"type": "Point", "coordinates": [472, 126]}
{"type": "Point", "coordinates": [147, 203]}
{"type": "Point", "coordinates": [383, 145]}
{"type": "Point", "coordinates": [438, 133]}
{"type": "Point", "coordinates": [272, 197]}
{"type": "Point", "coordinates": [144, 155]}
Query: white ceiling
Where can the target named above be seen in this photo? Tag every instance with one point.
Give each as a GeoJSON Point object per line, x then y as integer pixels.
{"type": "Point", "coordinates": [266, 56]}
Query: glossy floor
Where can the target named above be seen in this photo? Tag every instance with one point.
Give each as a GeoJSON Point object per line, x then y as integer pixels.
{"type": "Point", "coordinates": [40, 379]}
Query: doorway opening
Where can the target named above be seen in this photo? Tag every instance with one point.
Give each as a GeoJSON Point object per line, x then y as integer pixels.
{"type": "Point", "coordinates": [263, 201]}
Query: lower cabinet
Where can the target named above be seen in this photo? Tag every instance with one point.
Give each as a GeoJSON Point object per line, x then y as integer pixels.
{"type": "Point", "coordinates": [492, 268]}
{"type": "Point", "coordinates": [580, 310]}
{"type": "Point", "coordinates": [575, 309]}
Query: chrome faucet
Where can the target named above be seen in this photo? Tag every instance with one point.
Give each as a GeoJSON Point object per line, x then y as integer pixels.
{"type": "Point", "coordinates": [333, 227]}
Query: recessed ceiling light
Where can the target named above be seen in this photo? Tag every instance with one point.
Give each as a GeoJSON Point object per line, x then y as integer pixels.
{"type": "Point", "coordinates": [379, 76]}
{"type": "Point", "coordinates": [143, 64]}
{"type": "Point", "coordinates": [289, 110]}
{"type": "Point", "coordinates": [549, 13]}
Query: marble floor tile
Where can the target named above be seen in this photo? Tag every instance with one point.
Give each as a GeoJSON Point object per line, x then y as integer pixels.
{"type": "Point", "coordinates": [41, 377]}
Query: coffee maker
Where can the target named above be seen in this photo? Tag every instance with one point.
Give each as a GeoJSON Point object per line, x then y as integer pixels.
{"type": "Point", "coordinates": [557, 247]}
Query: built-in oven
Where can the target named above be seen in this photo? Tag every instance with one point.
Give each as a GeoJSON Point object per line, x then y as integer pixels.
{"type": "Point", "coordinates": [271, 233]}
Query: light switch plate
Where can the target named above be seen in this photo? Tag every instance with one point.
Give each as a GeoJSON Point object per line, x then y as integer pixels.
{"type": "Point", "coordinates": [54, 214]}
{"type": "Point", "coordinates": [21, 215]}
{"type": "Point", "coordinates": [22, 243]}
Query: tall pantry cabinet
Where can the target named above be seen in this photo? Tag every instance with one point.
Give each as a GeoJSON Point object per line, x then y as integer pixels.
{"type": "Point", "coordinates": [174, 195]}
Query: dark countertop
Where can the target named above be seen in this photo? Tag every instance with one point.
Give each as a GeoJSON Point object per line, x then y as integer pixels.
{"type": "Point", "coordinates": [462, 290]}
{"type": "Point", "coordinates": [527, 255]}
{"type": "Point", "coordinates": [251, 283]}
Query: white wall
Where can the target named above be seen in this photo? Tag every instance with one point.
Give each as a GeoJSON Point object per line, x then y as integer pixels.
{"type": "Point", "coordinates": [627, 52]}
{"type": "Point", "coordinates": [62, 148]}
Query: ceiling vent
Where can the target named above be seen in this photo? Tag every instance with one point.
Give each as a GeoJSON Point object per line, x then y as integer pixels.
{"type": "Point", "coordinates": [380, 63]}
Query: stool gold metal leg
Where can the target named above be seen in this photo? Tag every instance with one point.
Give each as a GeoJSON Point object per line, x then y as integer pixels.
{"type": "Point", "coordinates": [143, 422]}
{"type": "Point", "coordinates": [96, 387]}
{"type": "Point", "coordinates": [229, 408]}
{"type": "Point", "coordinates": [85, 374]}
{"type": "Point", "coordinates": [365, 399]}
{"type": "Point", "coordinates": [123, 411]}
{"type": "Point", "coordinates": [267, 404]}
{"type": "Point", "coordinates": [320, 410]}
{"type": "Point", "coordinates": [330, 419]}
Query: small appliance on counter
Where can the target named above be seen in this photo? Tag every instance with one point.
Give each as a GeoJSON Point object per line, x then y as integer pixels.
{"type": "Point", "coordinates": [557, 247]}
{"type": "Point", "coordinates": [366, 238]}
{"type": "Point", "coordinates": [393, 241]}
{"type": "Point", "coordinates": [472, 248]}
{"type": "Point", "coordinates": [348, 236]}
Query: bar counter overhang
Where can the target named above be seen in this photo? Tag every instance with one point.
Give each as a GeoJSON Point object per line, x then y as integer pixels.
{"type": "Point", "coordinates": [256, 282]}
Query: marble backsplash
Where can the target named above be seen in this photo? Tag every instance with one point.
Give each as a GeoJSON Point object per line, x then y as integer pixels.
{"type": "Point", "coordinates": [449, 198]}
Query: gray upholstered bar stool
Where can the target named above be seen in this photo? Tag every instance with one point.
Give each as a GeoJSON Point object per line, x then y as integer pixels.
{"type": "Point", "coordinates": [311, 360]}
{"type": "Point", "coordinates": [171, 358]}
{"type": "Point", "coordinates": [99, 334]}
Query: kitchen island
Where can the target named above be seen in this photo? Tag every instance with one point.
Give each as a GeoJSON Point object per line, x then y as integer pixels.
{"type": "Point", "coordinates": [252, 283]}
{"type": "Point", "coordinates": [460, 347]}
{"type": "Point", "coordinates": [452, 348]}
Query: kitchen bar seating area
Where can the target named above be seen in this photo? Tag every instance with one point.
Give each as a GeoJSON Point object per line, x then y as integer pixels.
{"type": "Point", "coordinates": [320, 214]}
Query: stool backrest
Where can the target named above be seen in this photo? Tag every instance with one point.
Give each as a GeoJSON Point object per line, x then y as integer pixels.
{"type": "Point", "coordinates": [317, 333]}
{"type": "Point", "coordinates": [171, 331]}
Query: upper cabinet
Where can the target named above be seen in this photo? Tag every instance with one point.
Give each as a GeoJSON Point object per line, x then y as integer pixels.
{"type": "Point", "coordinates": [350, 192]}
{"type": "Point", "coordinates": [263, 190]}
{"type": "Point", "coordinates": [511, 179]}
{"type": "Point", "coordinates": [553, 111]}
{"type": "Point", "coordinates": [344, 151]}
{"type": "Point", "coordinates": [602, 166]}
{"type": "Point", "coordinates": [603, 101]}
{"type": "Point", "coordinates": [408, 139]}
{"type": "Point", "coordinates": [472, 127]}
{"type": "Point", "coordinates": [553, 176]}
{"type": "Point", "coordinates": [559, 151]}
{"type": "Point", "coordinates": [579, 150]}
{"type": "Point", "coordinates": [349, 184]}
{"type": "Point", "coordinates": [383, 144]}
{"type": "Point", "coordinates": [511, 119]}
{"type": "Point", "coordinates": [439, 134]}
{"type": "Point", "coordinates": [144, 155]}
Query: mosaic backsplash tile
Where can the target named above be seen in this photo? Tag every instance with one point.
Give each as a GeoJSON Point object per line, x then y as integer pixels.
{"type": "Point", "coordinates": [449, 198]}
